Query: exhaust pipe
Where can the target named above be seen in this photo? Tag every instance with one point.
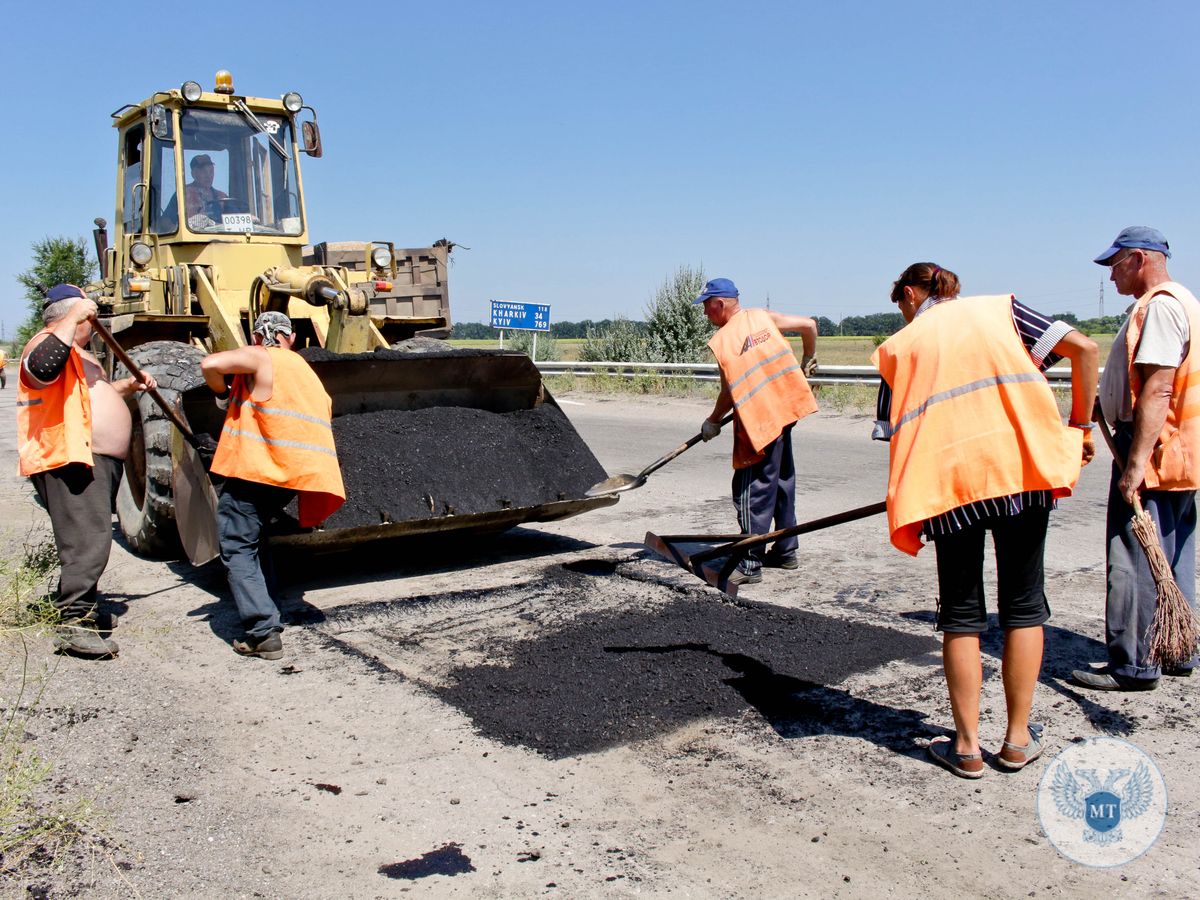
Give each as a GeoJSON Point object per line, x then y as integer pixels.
{"type": "Point", "coordinates": [100, 236]}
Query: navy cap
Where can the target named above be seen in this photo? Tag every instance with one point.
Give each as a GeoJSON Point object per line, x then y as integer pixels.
{"type": "Point", "coordinates": [63, 292]}
{"type": "Point", "coordinates": [718, 287]}
{"type": "Point", "coordinates": [1136, 237]}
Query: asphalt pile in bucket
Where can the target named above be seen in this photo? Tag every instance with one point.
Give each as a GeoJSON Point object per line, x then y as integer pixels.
{"type": "Point", "coordinates": [400, 465]}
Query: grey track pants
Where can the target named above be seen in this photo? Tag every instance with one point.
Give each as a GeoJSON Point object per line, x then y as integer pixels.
{"type": "Point", "coordinates": [79, 499]}
{"type": "Point", "coordinates": [1131, 592]}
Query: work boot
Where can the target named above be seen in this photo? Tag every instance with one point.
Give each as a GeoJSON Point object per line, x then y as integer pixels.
{"type": "Point", "coordinates": [100, 621]}
{"type": "Point", "coordinates": [269, 647]}
{"type": "Point", "coordinates": [80, 638]}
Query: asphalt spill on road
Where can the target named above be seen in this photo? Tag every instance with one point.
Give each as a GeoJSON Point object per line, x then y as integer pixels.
{"type": "Point", "coordinates": [445, 860]}
{"type": "Point", "coordinates": [605, 661]}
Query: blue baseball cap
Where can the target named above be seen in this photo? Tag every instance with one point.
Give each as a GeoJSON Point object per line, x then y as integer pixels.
{"type": "Point", "coordinates": [63, 292]}
{"type": "Point", "coordinates": [1136, 237]}
{"type": "Point", "coordinates": [718, 287]}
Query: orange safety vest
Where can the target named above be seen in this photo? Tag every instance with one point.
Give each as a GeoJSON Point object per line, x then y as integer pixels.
{"type": "Point", "coordinates": [972, 418]}
{"type": "Point", "coordinates": [768, 389]}
{"type": "Point", "coordinates": [286, 441]}
{"type": "Point", "coordinates": [54, 423]}
{"type": "Point", "coordinates": [1172, 465]}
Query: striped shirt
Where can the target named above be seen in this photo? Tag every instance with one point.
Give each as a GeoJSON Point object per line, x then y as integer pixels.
{"type": "Point", "coordinates": [1039, 335]}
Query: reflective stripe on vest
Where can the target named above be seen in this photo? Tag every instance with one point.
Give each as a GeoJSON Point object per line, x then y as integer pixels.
{"type": "Point", "coordinates": [1172, 465]}
{"type": "Point", "coordinates": [286, 440]}
{"type": "Point", "coordinates": [54, 423]}
{"type": "Point", "coordinates": [768, 388]}
{"type": "Point", "coordinates": [972, 417]}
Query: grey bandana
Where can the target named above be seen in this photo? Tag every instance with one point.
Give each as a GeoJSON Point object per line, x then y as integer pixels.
{"type": "Point", "coordinates": [270, 325]}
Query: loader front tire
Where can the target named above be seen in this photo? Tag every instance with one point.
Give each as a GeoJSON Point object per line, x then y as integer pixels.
{"type": "Point", "coordinates": [145, 501]}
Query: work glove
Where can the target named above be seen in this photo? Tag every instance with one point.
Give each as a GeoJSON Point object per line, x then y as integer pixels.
{"type": "Point", "coordinates": [808, 365]}
{"type": "Point", "coordinates": [206, 449]}
{"type": "Point", "coordinates": [709, 429]}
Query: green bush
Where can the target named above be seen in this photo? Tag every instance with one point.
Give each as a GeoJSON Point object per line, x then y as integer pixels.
{"type": "Point", "coordinates": [547, 347]}
{"type": "Point", "coordinates": [678, 329]}
{"type": "Point", "coordinates": [622, 341]}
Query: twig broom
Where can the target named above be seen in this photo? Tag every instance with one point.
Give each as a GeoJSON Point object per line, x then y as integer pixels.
{"type": "Point", "coordinates": [1175, 631]}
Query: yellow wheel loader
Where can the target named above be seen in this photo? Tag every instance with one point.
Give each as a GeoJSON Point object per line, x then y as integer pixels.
{"type": "Point", "coordinates": [211, 230]}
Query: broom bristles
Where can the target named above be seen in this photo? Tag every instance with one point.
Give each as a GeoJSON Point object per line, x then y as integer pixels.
{"type": "Point", "coordinates": [1175, 630]}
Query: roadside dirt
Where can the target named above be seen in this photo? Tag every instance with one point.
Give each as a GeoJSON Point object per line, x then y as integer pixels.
{"type": "Point", "coordinates": [557, 712]}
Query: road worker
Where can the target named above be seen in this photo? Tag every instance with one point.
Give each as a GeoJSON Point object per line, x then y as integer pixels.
{"type": "Point", "coordinates": [766, 388]}
{"type": "Point", "coordinates": [277, 443]}
{"type": "Point", "coordinates": [73, 432]}
{"type": "Point", "coordinates": [1150, 396]}
{"type": "Point", "coordinates": [977, 444]}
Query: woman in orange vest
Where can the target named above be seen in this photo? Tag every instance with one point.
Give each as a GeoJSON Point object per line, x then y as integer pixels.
{"type": "Point", "coordinates": [764, 385]}
{"type": "Point", "coordinates": [977, 444]}
{"type": "Point", "coordinates": [277, 443]}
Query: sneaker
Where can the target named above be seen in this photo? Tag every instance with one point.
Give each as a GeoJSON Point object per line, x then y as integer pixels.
{"type": "Point", "coordinates": [781, 561]}
{"type": "Point", "coordinates": [740, 576]}
{"type": "Point", "coordinates": [270, 647]}
{"type": "Point", "coordinates": [1013, 758]}
{"type": "Point", "coordinates": [80, 638]}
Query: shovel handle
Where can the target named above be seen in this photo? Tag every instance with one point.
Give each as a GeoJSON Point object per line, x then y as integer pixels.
{"type": "Point", "coordinates": [690, 442]}
{"type": "Point", "coordinates": [119, 353]}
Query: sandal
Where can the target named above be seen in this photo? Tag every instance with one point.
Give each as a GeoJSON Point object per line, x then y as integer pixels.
{"type": "Point", "coordinates": [1013, 758]}
{"type": "Point", "coordinates": [964, 765]}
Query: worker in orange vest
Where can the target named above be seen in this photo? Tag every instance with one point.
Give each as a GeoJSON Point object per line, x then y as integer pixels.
{"type": "Point", "coordinates": [73, 432]}
{"type": "Point", "coordinates": [1151, 394]}
{"type": "Point", "coordinates": [276, 444]}
{"type": "Point", "coordinates": [978, 444]}
{"type": "Point", "coordinates": [765, 386]}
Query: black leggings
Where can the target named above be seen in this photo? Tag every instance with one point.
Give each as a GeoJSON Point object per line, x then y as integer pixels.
{"type": "Point", "coordinates": [1020, 543]}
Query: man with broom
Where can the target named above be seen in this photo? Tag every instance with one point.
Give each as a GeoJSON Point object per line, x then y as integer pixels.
{"type": "Point", "coordinates": [1150, 392]}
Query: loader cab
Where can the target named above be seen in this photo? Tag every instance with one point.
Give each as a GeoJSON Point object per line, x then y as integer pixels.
{"type": "Point", "coordinates": [232, 175]}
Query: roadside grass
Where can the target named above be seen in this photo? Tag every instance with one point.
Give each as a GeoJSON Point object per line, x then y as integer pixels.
{"type": "Point", "coordinates": [641, 385]}
{"type": "Point", "coordinates": [33, 829]}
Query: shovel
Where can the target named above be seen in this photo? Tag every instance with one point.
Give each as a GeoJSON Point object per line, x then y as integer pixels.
{"type": "Point", "coordinates": [619, 483]}
{"type": "Point", "coordinates": [195, 499]}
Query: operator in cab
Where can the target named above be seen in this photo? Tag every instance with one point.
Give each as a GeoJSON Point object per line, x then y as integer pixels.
{"type": "Point", "coordinates": [73, 432]}
{"type": "Point", "coordinates": [202, 201]}
{"type": "Point", "coordinates": [277, 443]}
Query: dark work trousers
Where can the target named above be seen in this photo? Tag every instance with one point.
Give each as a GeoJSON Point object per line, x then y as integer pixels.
{"type": "Point", "coordinates": [766, 492]}
{"type": "Point", "coordinates": [1020, 543]}
{"type": "Point", "coordinates": [1132, 596]}
{"type": "Point", "coordinates": [79, 499]}
{"type": "Point", "coordinates": [243, 513]}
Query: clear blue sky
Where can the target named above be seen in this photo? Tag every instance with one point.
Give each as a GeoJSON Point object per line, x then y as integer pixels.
{"type": "Point", "coordinates": [583, 152]}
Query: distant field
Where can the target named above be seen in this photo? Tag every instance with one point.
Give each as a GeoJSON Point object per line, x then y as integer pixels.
{"type": "Point", "coordinates": [831, 351]}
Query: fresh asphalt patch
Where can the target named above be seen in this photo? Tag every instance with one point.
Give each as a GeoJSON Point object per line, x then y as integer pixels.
{"type": "Point", "coordinates": [583, 659]}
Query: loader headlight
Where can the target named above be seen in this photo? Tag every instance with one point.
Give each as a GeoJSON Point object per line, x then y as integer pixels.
{"type": "Point", "coordinates": [191, 91]}
{"type": "Point", "coordinates": [140, 253]}
{"type": "Point", "coordinates": [293, 102]}
{"type": "Point", "coordinates": [382, 257]}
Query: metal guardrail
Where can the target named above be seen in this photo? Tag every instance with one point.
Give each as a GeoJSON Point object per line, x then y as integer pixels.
{"type": "Point", "coordinates": [1058, 378]}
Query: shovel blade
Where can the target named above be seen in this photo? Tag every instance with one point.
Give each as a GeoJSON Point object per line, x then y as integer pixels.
{"type": "Point", "coordinates": [615, 485]}
{"type": "Point", "coordinates": [195, 502]}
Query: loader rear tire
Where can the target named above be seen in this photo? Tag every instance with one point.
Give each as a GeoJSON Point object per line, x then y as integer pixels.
{"type": "Point", "coordinates": [145, 501]}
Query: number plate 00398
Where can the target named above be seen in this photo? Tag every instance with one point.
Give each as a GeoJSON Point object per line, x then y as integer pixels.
{"type": "Point", "coordinates": [237, 222]}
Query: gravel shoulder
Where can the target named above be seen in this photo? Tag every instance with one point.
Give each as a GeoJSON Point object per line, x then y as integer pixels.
{"type": "Point", "coordinates": [556, 712]}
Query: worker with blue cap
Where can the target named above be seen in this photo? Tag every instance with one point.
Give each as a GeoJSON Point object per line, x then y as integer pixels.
{"type": "Point", "coordinates": [766, 388]}
{"type": "Point", "coordinates": [1150, 395]}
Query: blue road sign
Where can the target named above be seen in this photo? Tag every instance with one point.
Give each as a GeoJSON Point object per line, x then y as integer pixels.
{"type": "Point", "coordinates": [513, 315]}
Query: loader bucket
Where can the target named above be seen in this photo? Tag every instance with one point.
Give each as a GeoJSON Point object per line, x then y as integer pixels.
{"type": "Point", "coordinates": [465, 441]}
